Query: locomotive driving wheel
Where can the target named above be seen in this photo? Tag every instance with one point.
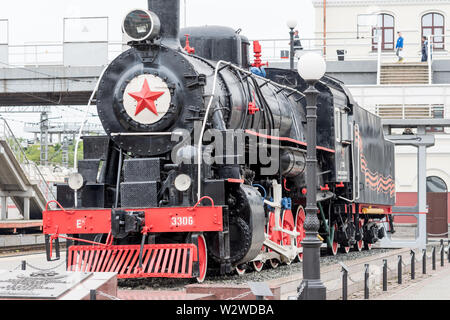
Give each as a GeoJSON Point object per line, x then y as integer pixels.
{"type": "Point", "coordinates": [287, 223]}
{"type": "Point", "coordinates": [274, 236]}
{"type": "Point", "coordinates": [299, 221]}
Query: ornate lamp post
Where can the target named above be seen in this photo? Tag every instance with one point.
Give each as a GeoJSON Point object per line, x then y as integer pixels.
{"type": "Point", "coordinates": [292, 24]}
{"type": "Point", "coordinates": [312, 68]}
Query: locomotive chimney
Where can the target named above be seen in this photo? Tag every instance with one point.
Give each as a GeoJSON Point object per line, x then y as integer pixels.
{"type": "Point", "coordinates": [168, 12]}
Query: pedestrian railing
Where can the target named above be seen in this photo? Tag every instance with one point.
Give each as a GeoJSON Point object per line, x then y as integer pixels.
{"type": "Point", "coordinates": [30, 168]}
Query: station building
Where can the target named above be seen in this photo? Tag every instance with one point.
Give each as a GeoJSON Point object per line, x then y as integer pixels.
{"type": "Point", "coordinates": [409, 90]}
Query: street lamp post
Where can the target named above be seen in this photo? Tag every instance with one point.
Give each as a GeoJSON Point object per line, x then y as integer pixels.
{"type": "Point", "coordinates": [292, 24]}
{"type": "Point", "coordinates": [312, 68]}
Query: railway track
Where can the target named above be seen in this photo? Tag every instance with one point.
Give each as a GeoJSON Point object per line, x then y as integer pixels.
{"type": "Point", "coordinates": [24, 249]}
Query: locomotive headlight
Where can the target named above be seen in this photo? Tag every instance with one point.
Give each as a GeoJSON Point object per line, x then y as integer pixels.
{"type": "Point", "coordinates": [76, 181]}
{"type": "Point", "coordinates": [141, 25]}
{"type": "Point", "coordinates": [183, 182]}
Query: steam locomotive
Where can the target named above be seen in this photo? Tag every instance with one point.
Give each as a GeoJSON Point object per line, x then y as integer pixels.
{"type": "Point", "coordinates": [147, 201]}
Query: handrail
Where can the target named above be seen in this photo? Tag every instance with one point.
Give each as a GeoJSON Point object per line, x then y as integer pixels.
{"type": "Point", "coordinates": [51, 53]}
{"type": "Point", "coordinates": [8, 134]}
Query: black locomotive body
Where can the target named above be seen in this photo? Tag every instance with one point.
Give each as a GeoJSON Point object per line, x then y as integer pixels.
{"type": "Point", "coordinates": [153, 204]}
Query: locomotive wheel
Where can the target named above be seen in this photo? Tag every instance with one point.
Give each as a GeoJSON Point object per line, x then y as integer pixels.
{"type": "Point", "coordinates": [335, 245]}
{"type": "Point", "coordinates": [274, 236]}
{"type": "Point", "coordinates": [257, 266]}
{"type": "Point", "coordinates": [287, 223]}
{"type": "Point", "coordinates": [274, 263]}
{"type": "Point", "coordinates": [345, 250]}
{"type": "Point", "coordinates": [299, 221]}
{"type": "Point", "coordinates": [240, 270]}
{"type": "Point", "coordinates": [359, 246]}
{"type": "Point", "coordinates": [202, 258]}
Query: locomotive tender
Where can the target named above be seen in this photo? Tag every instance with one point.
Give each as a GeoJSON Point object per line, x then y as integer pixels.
{"type": "Point", "coordinates": [147, 203]}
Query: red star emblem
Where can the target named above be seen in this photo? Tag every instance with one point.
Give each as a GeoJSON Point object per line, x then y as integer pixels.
{"type": "Point", "coordinates": [146, 99]}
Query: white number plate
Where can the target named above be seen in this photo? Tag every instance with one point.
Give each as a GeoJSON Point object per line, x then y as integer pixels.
{"type": "Point", "coordinates": [182, 221]}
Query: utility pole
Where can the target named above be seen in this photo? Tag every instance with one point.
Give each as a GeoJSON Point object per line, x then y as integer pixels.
{"type": "Point", "coordinates": [44, 138]}
{"type": "Point", "coordinates": [65, 152]}
{"type": "Point", "coordinates": [185, 14]}
{"type": "Point", "coordinates": [325, 28]}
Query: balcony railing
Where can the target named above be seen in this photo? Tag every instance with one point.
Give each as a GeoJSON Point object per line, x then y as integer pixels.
{"type": "Point", "coordinates": [410, 111]}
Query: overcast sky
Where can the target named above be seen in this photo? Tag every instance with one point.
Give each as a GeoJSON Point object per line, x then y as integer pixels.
{"type": "Point", "coordinates": [37, 21]}
{"type": "Point", "coordinates": [41, 20]}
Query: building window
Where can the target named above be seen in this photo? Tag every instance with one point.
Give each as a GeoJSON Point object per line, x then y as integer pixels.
{"type": "Point", "coordinates": [385, 28]}
{"type": "Point", "coordinates": [436, 184]}
{"type": "Point", "coordinates": [434, 24]}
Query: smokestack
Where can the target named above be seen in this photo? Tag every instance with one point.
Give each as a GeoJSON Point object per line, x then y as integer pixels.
{"type": "Point", "coordinates": [168, 12]}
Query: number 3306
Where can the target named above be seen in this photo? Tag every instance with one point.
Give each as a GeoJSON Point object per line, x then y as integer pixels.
{"type": "Point", "coordinates": [182, 221]}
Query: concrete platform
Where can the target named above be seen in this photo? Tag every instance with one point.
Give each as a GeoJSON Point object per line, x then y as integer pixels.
{"type": "Point", "coordinates": [435, 287]}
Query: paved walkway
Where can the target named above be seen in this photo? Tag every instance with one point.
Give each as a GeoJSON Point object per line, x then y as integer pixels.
{"type": "Point", "coordinates": [436, 287]}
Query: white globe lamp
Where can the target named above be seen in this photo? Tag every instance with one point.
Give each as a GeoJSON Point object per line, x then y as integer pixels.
{"type": "Point", "coordinates": [312, 67]}
{"type": "Point", "coordinates": [291, 23]}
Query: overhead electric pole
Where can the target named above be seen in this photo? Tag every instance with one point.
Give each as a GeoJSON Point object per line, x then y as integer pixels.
{"type": "Point", "coordinates": [325, 28]}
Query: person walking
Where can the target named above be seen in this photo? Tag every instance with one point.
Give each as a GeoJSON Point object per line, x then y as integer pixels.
{"type": "Point", "coordinates": [399, 47]}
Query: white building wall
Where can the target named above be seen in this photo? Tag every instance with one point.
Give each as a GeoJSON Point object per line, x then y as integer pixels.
{"type": "Point", "coordinates": [342, 17]}
{"type": "Point", "coordinates": [438, 158]}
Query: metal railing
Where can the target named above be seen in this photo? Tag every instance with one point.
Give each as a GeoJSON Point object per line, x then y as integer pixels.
{"type": "Point", "coordinates": [48, 54]}
{"type": "Point", "coordinates": [409, 101]}
{"type": "Point", "coordinates": [66, 127]}
{"type": "Point", "coordinates": [30, 168]}
{"type": "Point", "coordinates": [272, 48]}
{"type": "Point", "coordinates": [404, 112]}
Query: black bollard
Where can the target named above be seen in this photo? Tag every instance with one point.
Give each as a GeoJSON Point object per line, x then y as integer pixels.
{"type": "Point", "coordinates": [448, 253]}
{"type": "Point", "coordinates": [413, 265]}
{"type": "Point", "coordinates": [93, 295]}
{"type": "Point", "coordinates": [366, 283]}
{"type": "Point", "coordinates": [400, 269]}
{"type": "Point", "coordinates": [433, 258]}
{"type": "Point", "coordinates": [442, 255]}
{"type": "Point", "coordinates": [385, 271]}
{"type": "Point", "coordinates": [344, 284]}
{"type": "Point", "coordinates": [24, 265]}
{"type": "Point", "coordinates": [424, 261]}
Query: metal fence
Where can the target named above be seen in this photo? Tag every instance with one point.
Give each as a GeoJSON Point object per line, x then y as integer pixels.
{"type": "Point", "coordinates": [48, 54]}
